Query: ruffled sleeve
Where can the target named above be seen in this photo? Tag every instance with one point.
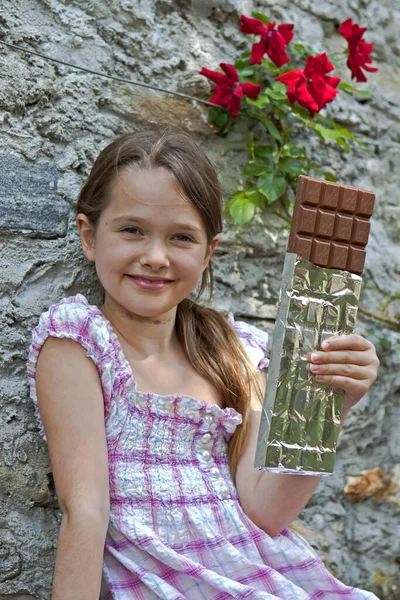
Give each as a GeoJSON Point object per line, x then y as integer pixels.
{"type": "Point", "coordinates": [254, 340]}
{"type": "Point", "coordinates": [75, 319]}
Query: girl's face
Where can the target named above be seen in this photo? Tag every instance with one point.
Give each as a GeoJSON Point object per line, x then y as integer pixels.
{"type": "Point", "coordinates": [148, 230]}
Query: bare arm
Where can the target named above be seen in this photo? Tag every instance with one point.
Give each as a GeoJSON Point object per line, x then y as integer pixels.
{"type": "Point", "coordinates": [271, 500]}
{"type": "Point", "coordinates": [71, 405]}
{"type": "Point", "coordinates": [78, 568]}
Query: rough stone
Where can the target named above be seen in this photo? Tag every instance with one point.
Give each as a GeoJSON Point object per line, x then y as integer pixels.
{"type": "Point", "coordinates": [29, 202]}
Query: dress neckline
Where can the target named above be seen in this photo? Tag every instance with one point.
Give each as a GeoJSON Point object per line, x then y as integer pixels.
{"type": "Point", "coordinates": [200, 403]}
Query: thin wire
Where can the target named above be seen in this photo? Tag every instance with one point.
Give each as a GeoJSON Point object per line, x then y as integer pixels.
{"type": "Point", "coordinates": [123, 80]}
{"type": "Point", "coordinates": [145, 85]}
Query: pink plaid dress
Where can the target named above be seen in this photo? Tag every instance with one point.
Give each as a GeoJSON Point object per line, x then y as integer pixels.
{"type": "Point", "coordinates": [177, 530]}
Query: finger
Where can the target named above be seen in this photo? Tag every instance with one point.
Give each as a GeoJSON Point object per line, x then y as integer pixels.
{"type": "Point", "coordinates": [341, 370]}
{"type": "Point", "coordinates": [341, 356]}
{"type": "Point", "coordinates": [354, 387]}
{"type": "Point", "coordinates": [352, 341]}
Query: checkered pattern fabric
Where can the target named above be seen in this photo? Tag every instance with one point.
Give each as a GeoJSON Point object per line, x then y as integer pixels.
{"type": "Point", "coordinates": [177, 530]}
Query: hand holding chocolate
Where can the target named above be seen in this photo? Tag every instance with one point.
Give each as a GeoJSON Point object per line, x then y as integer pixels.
{"type": "Point", "coordinates": [319, 298]}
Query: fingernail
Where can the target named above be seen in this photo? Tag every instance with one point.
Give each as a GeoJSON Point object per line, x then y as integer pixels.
{"type": "Point", "coordinates": [315, 356]}
{"type": "Point", "coordinates": [325, 345]}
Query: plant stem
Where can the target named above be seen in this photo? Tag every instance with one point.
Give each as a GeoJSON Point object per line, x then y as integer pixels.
{"type": "Point", "coordinates": [389, 322]}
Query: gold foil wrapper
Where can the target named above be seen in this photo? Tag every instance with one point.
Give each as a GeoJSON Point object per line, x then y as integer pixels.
{"type": "Point", "coordinates": [300, 416]}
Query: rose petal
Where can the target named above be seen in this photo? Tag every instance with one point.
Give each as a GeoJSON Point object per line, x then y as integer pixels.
{"type": "Point", "coordinates": [255, 26]}
{"type": "Point", "coordinates": [286, 30]}
{"type": "Point", "coordinates": [276, 49]}
{"type": "Point", "coordinates": [215, 76]}
{"type": "Point", "coordinates": [257, 52]}
{"type": "Point", "coordinates": [251, 89]}
{"type": "Point", "coordinates": [230, 71]}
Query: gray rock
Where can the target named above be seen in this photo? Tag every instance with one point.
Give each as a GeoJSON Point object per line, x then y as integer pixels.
{"type": "Point", "coordinates": [29, 202]}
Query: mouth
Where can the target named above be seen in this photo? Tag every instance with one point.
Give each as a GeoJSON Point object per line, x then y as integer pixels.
{"type": "Point", "coordinates": [147, 283]}
{"type": "Point", "coordinates": [151, 279]}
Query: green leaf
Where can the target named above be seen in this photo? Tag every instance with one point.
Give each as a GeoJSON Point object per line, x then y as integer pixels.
{"type": "Point", "coordinates": [343, 131]}
{"type": "Point", "coordinates": [346, 87]}
{"type": "Point", "coordinates": [246, 73]}
{"type": "Point", "coordinates": [329, 176]}
{"type": "Point", "coordinates": [304, 51]}
{"type": "Point", "coordinates": [278, 86]}
{"type": "Point", "coordinates": [264, 152]}
{"type": "Point", "coordinates": [300, 113]}
{"type": "Point", "coordinates": [272, 130]}
{"type": "Point", "coordinates": [342, 142]}
{"type": "Point", "coordinates": [317, 172]}
{"type": "Point", "coordinates": [268, 124]}
{"type": "Point", "coordinates": [272, 186]}
{"type": "Point", "coordinates": [293, 151]}
{"type": "Point", "coordinates": [346, 133]}
{"type": "Point", "coordinates": [275, 94]}
{"type": "Point", "coordinates": [256, 198]}
{"type": "Point", "coordinates": [261, 16]}
{"type": "Point", "coordinates": [219, 116]}
{"type": "Point", "coordinates": [271, 67]}
{"type": "Point", "coordinates": [292, 166]}
{"type": "Point", "coordinates": [254, 168]}
{"type": "Point", "coordinates": [261, 101]}
{"type": "Point", "coordinates": [243, 60]}
{"type": "Point", "coordinates": [244, 69]}
{"type": "Point", "coordinates": [339, 134]}
{"type": "Point", "coordinates": [363, 94]}
{"type": "Point", "coordinates": [241, 208]}
{"type": "Point", "coordinates": [327, 134]}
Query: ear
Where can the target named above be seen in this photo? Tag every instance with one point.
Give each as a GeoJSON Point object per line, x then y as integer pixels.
{"type": "Point", "coordinates": [87, 236]}
{"type": "Point", "coordinates": [210, 250]}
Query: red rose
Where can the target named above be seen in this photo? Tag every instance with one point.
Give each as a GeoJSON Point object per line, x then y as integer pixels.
{"type": "Point", "coordinates": [228, 91]}
{"type": "Point", "coordinates": [311, 87]}
{"type": "Point", "coordinates": [359, 50]}
{"type": "Point", "coordinates": [273, 41]}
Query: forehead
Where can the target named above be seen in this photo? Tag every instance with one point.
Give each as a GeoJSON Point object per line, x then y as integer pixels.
{"type": "Point", "coordinates": [150, 193]}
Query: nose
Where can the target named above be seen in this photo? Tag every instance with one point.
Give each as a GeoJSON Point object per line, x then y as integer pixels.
{"type": "Point", "coordinates": [154, 255]}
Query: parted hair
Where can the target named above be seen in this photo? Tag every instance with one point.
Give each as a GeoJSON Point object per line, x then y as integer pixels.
{"type": "Point", "coordinates": [208, 338]}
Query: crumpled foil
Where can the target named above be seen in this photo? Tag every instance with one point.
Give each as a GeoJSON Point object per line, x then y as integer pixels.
{"type": "Point", "coordinates": [300, 416]}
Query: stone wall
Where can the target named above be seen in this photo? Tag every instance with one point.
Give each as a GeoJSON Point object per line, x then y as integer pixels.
{"type": "Point", "coordinates": [54, 122]}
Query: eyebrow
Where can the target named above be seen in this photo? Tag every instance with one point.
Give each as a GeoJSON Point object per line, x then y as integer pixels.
{"type": "Point", "coordinates": [129, 219]}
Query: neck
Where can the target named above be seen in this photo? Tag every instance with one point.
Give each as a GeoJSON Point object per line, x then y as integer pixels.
{"type": "Point", "coordinates": [154, 321]}
{"type": "Point", "coordinates": [142, 336]}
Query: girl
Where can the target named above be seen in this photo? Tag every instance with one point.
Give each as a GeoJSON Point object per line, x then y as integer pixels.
{"type": "Point", "coordinates": [151, 404]}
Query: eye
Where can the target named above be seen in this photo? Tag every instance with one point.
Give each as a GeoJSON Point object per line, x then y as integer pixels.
{"type": "Point", "coordinates": [186, 238]}
{"type": "Point", "coordinates": [130, 229]}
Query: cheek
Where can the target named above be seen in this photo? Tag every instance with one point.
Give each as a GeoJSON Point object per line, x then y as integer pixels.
{"type": "Point", "coordinates": [118, 254]}
{"type": "Point", "coordinates": [111, 259]}
{"type": "Point", "coordinates": [192, 263]}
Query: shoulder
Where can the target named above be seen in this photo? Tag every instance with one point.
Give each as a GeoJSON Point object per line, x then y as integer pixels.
{"type": "Point", "coordinates": [254, 339]}
{"type": "Point", "coordinates": [75, 319]}
{"type": "Point", "coordinates": [72, 317]}
{"type": "Point", "coordinates": [68, 312]}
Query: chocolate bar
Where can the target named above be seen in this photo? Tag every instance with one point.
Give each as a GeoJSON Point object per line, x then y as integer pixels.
{"type": "Point", "coordinates": [330, 224]}
{"type": "Point", "coordinates": [319, 298]}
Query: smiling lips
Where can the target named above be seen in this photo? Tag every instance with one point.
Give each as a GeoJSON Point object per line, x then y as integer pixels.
{"type": "Point", "coordinates": [151, 279]}
{"type": "Point", "coordinates": [148, 283]}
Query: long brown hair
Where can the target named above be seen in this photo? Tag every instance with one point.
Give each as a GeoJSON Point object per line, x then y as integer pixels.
{"type": "Point", "coordinates": [208, 338]}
